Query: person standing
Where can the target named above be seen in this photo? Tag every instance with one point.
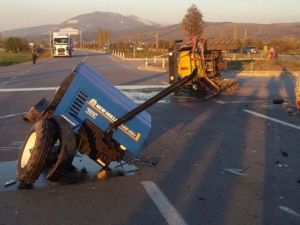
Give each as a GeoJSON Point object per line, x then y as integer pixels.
{"type": "Point", "coordinates": [34, 55]}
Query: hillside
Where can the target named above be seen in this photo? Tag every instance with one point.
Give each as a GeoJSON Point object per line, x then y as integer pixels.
{"type": "Point", "coordinates": [131, 27]}
{"type": "Point", "coordinates": [87, 23]}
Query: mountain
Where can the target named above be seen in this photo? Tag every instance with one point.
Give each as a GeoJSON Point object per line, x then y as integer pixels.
{"type": "Point", "coordinates": [30, 32]}
{"type": "Point", "coordinates": [106, 20]}
{"type": "Point", "coordinates": [219, 30]}
{"type": "Point", "coordinates": [132, 27]}
{"type": "Point", "coordinates": [87, 23]}
{"type": "Point", "coordinates": [252, 30]}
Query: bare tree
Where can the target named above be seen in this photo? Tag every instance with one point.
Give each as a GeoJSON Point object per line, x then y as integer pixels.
{"type": "Point", "coordinates": [192, 23]}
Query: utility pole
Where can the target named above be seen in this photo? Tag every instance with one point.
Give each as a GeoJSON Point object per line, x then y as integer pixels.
{"type": "Point", "coordinates": [133, 48]}
{"type": "Point", "coordinates": [50, 42]}
{"type": "Point", "coordinates": [156, 42]}
{"type": "Point", "coordinates": [245, 34]}
{"type": "Point", "coordinates": [80, 39]}
{"type": "Point", "coordinates": [235, 36]}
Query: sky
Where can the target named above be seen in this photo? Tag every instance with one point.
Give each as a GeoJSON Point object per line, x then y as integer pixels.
{"type": "Point", "coordinates": [27, 13]}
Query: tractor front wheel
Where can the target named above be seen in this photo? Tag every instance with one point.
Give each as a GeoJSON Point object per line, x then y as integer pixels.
{"type": "Point", "coordinates": [35, 151]}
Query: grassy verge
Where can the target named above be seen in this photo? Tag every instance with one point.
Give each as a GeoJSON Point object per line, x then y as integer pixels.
{"type": "Point", "coordinates": [9, 58]}
{"type": "Point", "coordinates": [263, 65]}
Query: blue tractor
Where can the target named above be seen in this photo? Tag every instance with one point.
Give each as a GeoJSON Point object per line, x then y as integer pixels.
{"type": "Point", "coordinates": [89, 115]}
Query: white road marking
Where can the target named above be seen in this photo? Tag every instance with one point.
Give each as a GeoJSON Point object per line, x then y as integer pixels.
{"type": "Point", "coordinates": [272, 119]}
{"type": "Point", "coordinates": [112, 59]}
{"type": "Point", "coordinates": [138, 93]}
{"type": "Point", "coordinates": [120, 87]}
{"type": "Point", "coordinates": [28, 89]}
{"type": "Point", "coordinates": [236, 171]}
{"type": "Point", "coordinates": [242, 101]}
{"type": "Point", "coordinates": [139, 87]}
{"type": "Point", "coordinates": [126, 67]}
{"type": "Point", "coordinates": [86, 56]}
{"type": "Point", "coordinates": [288, 210]}
{"type": "Point", "coordinates": [163, 204]}
{"type": "Point", "coordinates": [12, 115]}
{"type": "Point", "coordinates": [166, 83]}
{"type": "Point", "coordinates": [220, 102]}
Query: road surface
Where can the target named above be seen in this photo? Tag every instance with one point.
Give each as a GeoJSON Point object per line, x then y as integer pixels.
{"type": "Point", "coordinates": [233, 160]}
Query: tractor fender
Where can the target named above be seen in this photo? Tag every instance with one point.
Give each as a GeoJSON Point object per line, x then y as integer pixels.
{"type": "Point", "coordinates": [66, 151]}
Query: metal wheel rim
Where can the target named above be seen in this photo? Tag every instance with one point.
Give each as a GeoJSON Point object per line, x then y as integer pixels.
{"type": "Point", "coordinates": [27, 149]}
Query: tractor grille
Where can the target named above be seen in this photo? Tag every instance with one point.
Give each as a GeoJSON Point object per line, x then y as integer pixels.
{"type": "Point", "coordinates": [78, 103]}
{"type": "Point", "coordinates": [61, 50]}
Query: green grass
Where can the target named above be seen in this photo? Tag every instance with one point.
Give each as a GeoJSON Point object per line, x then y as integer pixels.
{"type": "Point", "coordinates": [9, 58]}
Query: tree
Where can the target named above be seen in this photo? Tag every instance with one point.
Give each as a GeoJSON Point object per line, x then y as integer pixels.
{"type": "Point", "coordinates": [15, 44]}
{"type": "Point", "coordinates": [192, 23]}
{"type": "Point", "coordinates": [103, 36]}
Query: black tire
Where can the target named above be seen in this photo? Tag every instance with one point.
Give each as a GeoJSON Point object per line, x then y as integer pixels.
{"type": "Point", "coordinates": [34, 152]}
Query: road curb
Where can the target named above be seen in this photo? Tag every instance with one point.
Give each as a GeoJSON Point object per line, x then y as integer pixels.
{"type": "Point", "coordinates": [151, 68]}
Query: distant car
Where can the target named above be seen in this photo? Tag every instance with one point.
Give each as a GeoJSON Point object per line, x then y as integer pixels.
{"type": "Point", "coordinates": [250, 49]}
{"type": "Point", "coordinates": [140, 48]}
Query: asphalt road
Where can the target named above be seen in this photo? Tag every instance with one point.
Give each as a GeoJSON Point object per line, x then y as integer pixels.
{"type": "Point", "coordinates": [232, 160]}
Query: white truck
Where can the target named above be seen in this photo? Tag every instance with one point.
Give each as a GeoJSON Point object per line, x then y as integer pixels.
{"type": "Point", "coordinates": [62, 44]}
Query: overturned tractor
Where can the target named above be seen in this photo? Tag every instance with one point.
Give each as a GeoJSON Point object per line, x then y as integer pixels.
{"type": "Point", "coordinates": [184, 57]}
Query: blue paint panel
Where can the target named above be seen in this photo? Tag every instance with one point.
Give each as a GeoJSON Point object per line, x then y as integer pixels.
{"type": "Point", "coordinates": [91, 97]}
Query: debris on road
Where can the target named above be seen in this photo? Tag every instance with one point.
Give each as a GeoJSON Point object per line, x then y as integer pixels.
{"type": "Point", "coordinates": [236, 171]}
{"type": "Point", "coordinates": [283, 153]}
{"type": "Point", "coordinates": [278, 101]}
{"type": "Point", "coordinates": [10, 183]}
{"type": "Point", "coordinates": [281, 164]}
{"type": "Point", "coordinates": [288, 210]}
{"type": "Point", "coordinates": [290, 108]}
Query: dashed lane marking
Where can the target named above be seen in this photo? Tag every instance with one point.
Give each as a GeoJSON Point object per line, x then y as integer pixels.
{"type": "Point", "coordinates": [165, 83]}
{"type": "Point", "coordinates": [12, 115]}
{"type": "Point", "coordinates": [272, 119]}
{"type": "Point", "coordinates": [163, 204]}
{"type": "Point", "coordinates": [120, 87]}
{"type": "Point", "coordinates": [241, 101]}
{"type": "Point", "coordinates": [126, 67]}
{"type": "Point", "coordinates": [288, 210]}
{"type": "Point", "coordinates": [112, 59]}
{"type": "Point", "coordinates": [28, 89]}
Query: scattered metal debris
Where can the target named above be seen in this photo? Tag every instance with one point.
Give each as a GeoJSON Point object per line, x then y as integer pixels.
{"type": "Point", "coordinates": [10, 183]}
{"type": "Point", "coordinates": [281, 164]}
{"type": "Point", "coordinates": [142, 162]}
{"type": "Point", "coordinates": [288, 210]}
{"type": "Point", "coordinates": [236, 171]}
{"type": "Point", "coordinates": [278, 101]}
{"type": "Point", "coordinates": [283, 153]}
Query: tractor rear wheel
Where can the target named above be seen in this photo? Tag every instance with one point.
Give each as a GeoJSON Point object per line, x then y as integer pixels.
{"type": "Point", "coordinates": [35, 151]}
